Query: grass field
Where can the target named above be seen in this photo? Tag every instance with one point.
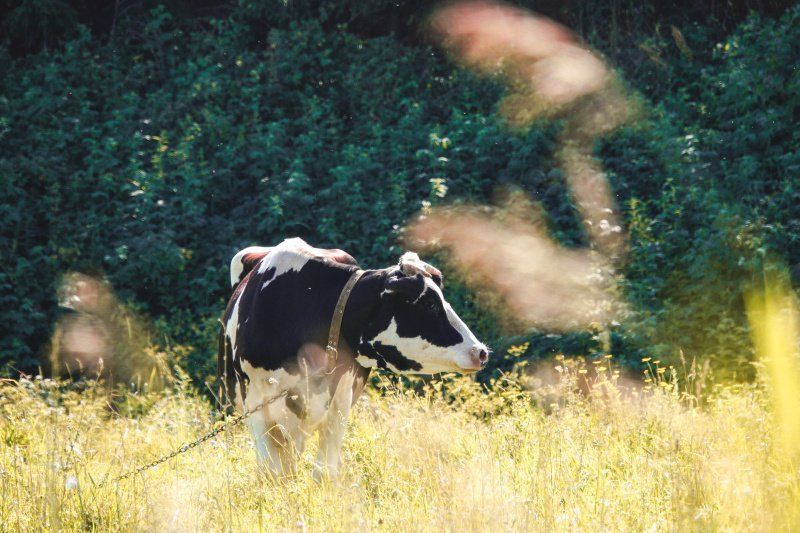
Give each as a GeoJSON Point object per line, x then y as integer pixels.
{"type": "Point", "coordinates": [623, 458]}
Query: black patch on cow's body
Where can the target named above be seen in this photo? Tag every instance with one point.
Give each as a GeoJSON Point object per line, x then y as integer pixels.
{"type": "Point", "coordinates": [295, 308]}
{"type": "Point", "coordinates": [229, 370]}
{"type": "Point", "coordinates": [297, 404]}
{"type": "Point", "coordinates": [267, 275]}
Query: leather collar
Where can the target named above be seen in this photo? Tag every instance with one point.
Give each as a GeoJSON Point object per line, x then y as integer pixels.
{"type": "Point", "coordinates": [332, 349]}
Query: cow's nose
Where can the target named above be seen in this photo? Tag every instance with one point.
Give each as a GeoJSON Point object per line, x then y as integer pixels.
{"type": "Point", "coordinates": [480, 354]}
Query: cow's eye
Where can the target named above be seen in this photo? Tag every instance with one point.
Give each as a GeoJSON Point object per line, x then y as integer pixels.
{"type": "Point", "coordinates": [429, 305]}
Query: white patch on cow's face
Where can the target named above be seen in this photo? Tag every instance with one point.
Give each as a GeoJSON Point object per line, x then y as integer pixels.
{"type": "Point", "coordinates": [433, 358]}
{"type": "Point", "coordinates": [366, 362]}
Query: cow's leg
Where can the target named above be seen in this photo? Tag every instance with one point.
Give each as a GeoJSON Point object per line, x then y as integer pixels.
{"type": "Point", "coordinates": [277, 442]}
{"type": "Point", "coordinates": [286, 444]}
{"type": "Point", "coordinates": [330, 443]}
{"type": "Point", "coordinates": [275, 428]}
{"type": "Point", "coordinates": [332, 430]}
{"type": "Point", "coordinates": [264, 453]}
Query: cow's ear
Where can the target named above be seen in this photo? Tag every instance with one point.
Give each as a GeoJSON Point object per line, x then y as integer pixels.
{"type": "Point", "coordinates": [408, 287]}
{"type": "Point", "coordinates": [411, 265]}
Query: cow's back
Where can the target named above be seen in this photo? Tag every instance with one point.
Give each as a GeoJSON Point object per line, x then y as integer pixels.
{"type": "Point", "coordinates": [247, 259]}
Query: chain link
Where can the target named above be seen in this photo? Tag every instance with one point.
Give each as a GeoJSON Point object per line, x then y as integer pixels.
{"type": "Point", "coordinates": [186, 447]}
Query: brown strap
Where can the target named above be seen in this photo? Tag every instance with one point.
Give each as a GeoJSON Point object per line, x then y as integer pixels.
{"type": "Point", "coordinates": [336, 323]}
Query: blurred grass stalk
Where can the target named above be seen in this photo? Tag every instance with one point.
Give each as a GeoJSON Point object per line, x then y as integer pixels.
{"type": "Point", "coordinates": [774, 323]}
{"type": "Point", "coordinates": [773, 316]}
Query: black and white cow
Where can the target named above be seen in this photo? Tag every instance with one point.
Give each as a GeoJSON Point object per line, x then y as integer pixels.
{"type": "Point", "coordinates": [273, 355]}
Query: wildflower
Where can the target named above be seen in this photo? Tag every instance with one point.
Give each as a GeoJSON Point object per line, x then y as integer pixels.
{"type": "Point", "coordinates": [71, 483]}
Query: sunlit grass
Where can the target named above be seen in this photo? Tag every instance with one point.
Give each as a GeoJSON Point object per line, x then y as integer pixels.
{"type": "Point", "coordinates": [627, 458]}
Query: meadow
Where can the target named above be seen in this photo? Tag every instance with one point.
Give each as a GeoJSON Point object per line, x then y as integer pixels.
{"type": "Point", "coordinates": [533, 453]}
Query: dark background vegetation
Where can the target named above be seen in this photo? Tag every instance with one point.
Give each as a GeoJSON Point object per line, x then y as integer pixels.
{"type": "Point", "coordinates": [147, 142]}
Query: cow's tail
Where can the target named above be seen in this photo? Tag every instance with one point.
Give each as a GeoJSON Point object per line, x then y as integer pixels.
{"type": "Point", "coordinates": [224, 369]}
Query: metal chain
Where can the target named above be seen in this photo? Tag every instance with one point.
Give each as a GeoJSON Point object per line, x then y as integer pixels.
{"type": "Point", "coordinates": [186, 447]}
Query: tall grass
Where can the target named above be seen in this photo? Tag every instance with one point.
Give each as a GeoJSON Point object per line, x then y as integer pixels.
{"type": "Point", "coordinates": [625, 457]}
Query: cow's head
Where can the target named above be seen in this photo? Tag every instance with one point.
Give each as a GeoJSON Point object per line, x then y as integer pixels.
{"type": "Point", "coordinates": [415, 331]}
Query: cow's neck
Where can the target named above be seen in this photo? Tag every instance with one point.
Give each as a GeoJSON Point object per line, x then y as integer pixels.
{"type": "Point", "coordinates": [363, 304]}
{"type": "Point", "coordinates": [332, 349]}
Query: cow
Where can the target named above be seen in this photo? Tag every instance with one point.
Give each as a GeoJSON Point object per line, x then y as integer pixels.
{"type": "Point", "coordinates": [304, 327]}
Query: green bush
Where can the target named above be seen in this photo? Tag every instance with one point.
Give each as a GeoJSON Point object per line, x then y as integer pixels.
{"type": "Point", "coordinates": [709, 183]}
{"type": "Point", "coordinates": [152, 157]}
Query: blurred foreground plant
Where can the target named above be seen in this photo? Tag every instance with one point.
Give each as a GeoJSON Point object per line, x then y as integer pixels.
{"type": "Point", "coordinates": [549, 73]}
{"type": "Point", "coordinates": [775, 325]}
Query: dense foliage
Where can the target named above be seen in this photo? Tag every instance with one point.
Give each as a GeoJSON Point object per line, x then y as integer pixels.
{"type": "Point", "coordinates": [151, 154]}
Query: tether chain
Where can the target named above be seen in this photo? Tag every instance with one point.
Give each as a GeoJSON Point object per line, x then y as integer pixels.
{"type": "Point", "coordinates": [186, 447]}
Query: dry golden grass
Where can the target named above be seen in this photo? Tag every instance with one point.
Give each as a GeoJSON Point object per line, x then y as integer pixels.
{"type": "Point", "coordinates": [625, 458]}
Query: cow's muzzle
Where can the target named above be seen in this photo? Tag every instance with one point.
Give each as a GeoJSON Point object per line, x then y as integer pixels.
{"type": "Point", "coordinates": [478, 357]}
